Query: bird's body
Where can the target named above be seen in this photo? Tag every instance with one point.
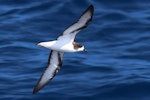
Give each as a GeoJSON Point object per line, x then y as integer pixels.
{"type": "Point", "coordinates": [64, 43]}
{"type": "Point", "coordinates": [61, 46]}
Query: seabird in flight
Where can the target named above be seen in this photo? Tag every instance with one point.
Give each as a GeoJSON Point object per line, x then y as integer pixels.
{"type": "Point", "coordinates": [64, 43]}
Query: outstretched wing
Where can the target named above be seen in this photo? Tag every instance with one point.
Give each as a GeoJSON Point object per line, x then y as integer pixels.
{"type": "Point", "coordinates": [54, 64]}
{"type": "Point", "coordinates": [71, 31]}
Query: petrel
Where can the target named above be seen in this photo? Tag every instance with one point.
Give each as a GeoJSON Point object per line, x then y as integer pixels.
{"type": "Point", "coordinates": [64, 43]}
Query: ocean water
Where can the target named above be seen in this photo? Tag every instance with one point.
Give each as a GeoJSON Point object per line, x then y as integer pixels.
{"type": "Point", "coordinates": [116, 66]}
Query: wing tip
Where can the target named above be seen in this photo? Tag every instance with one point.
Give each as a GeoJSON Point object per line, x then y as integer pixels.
{"type": "Point", "coordinates": [35, 90]}
{"type": "Point", "coordinates": [91, 8]}
{"type": "Point", "coordinates": [38, 86]}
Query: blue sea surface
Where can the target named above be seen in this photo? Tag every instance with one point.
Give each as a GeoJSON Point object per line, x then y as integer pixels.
{"type": "Point", "coordinates": [116, 66]}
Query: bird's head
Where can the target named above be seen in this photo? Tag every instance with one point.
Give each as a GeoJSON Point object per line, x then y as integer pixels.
{"type": "Point", "coordinates": [82, 49]}
{"type": "Point", "coordinates": [79, 47]}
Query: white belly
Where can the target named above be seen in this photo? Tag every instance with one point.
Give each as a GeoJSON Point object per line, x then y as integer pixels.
{"type": "Point", "coordinates": [63, 47]}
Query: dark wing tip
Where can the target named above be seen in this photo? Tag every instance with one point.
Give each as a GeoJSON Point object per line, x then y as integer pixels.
{"type": "Point", "coordinates": [35, 90]}
{"type": "Point", "coordinates": [91, 8]}
{"type": "Point", "coordinates": [39, 86]}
